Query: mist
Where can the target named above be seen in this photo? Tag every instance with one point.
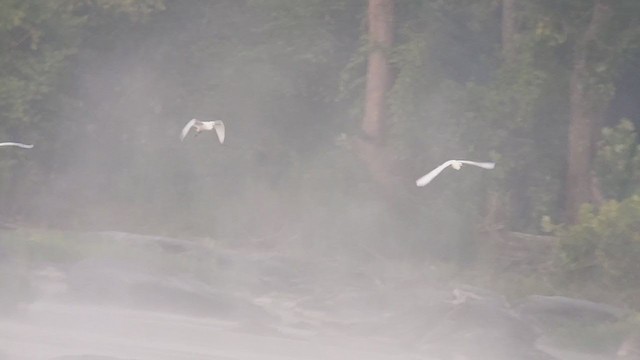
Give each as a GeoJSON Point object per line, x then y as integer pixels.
{"type": "Point", "coordinates": [304, 234]}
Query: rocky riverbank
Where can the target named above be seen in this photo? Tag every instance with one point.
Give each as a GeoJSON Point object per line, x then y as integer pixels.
{"type": "Point", "coordinates": [114, 285]}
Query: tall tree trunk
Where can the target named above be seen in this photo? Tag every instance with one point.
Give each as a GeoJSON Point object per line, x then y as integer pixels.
{"type": "Point", "coordinates": [379, 78]}
{"type": "Point", "coordinates": [509, 30]}
{"type": "Point", "coordinates": [370, 146]}
{"type": "Point", "coordinates": [585, 116]}
{"type": "Point", "coordinates": [499, 202]}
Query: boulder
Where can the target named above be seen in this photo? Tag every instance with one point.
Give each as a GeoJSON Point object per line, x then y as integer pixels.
{"type": "Point", "coordinates": [550, 311]}
{"type": "Point", "coordinates": [481, 325]}
{"type": "Point", "coordinates": [630, 347]}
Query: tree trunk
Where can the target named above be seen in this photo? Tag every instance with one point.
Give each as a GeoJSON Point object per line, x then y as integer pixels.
{"type": "Point", "coordinates": [498, 202]}
{"type": "Point", "coordinates": [378, 72]}
{"type": "Point", "coordinates": [371, 145]}
{"type": "Point", "coordinates": [585, 117]}
{"type": "Point", "coordinates": [509, 30]}
{"type": "Point", "coordinates": [393, 187]}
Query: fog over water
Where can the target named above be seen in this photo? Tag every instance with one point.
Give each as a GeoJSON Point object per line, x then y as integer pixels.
{"type": "Point", "coordinates": [304, 235]}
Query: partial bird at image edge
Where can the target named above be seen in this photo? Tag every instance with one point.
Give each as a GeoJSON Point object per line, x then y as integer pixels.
{"type": "Point", "coordinates": [20, 145]}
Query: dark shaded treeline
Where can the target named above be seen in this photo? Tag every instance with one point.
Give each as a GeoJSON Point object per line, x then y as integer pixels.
{"type": "Point", "coordinates": [103, 87]}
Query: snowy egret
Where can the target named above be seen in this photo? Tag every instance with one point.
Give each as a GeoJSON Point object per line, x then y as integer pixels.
{"type": "Point", "coordinates": [456, 164]}
{"type": "Point", "coordinates": [218, 126]}
{"type": "Point", "coordinates": [24, 146]}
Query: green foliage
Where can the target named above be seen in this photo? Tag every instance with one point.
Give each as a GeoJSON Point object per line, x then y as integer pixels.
{"type": "Point", "coordinates": [603, 251]}
{"type": "Point", "coordinates": [617, 161]}
{"type": "Point", "coordinates": [103, 87]}
{"type": "Point", "coordinates": [36, 41]}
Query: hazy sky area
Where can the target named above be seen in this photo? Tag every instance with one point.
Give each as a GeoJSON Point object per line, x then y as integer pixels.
{"type": "Point", "coordinates": [306, 225]}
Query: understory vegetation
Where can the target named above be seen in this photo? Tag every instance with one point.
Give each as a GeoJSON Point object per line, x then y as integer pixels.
{"type": "Point", "coordinates": [103, 88]}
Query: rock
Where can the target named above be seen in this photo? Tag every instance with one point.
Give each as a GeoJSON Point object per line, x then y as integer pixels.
{"type": "Point", "coordinates": [104, 280]}
{"type": "Point", "coordinates": [549, 311]}
{"type": "Point", "coordinates": [166, 244]}
{"type": "Point", "coordinates": [193, 298]}
{"type": "Point", "coordinates": [463, 292]}
{"type": "Point", "coordinates": [123, 283]}
{"type": "Point", "coordinates": [481, 325]}
{"type": "Point", "coordinates": [16, 289]}
{"type": "Point", "coordinates": [630, 347]}
{"type": "Point", "coordinates": [261, 273]}
{"type": "Point", "coordinates": [49, 282]}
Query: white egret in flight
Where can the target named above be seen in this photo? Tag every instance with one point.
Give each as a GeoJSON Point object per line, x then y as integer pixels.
{"type": "Point", "coordinates": [24, 146]}
{"type": "Point", "coordinates": [218, 126]}
{"type": "Point", "coordinates": [456, 164]}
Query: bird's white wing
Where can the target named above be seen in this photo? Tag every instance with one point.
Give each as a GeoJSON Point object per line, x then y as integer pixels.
{"type": "Point", "coordinates": [24, 146]}
{"type": "Point", "coordinates": [433, 173]}
{"type": "Point", "coordinates": [484, 165]}
{"type": "Point", "coordinates": [219, 126]}
{"type": "Point", "coordinates": [186, 128]}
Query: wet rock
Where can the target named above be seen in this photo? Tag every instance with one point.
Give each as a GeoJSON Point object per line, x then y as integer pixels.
{"type": "Point", "coordinates": [193, 298]}
{"type": "Point", "coordinates": [166, 244]}
{"type": "Point", "coordinates": [16, 289]}
{"type": "Point", "coordinates": [550, 311]}
{"type": "Point", "coordinates": [463, 292]}
{"type": "Point", "coordinates": [49, 282]}
{"type": "Point", "coordinates": [481, 325]}
{"type": "Point", "coordinates": [630, 347]}
{"type": "Point", "coordinates": [105, 281]}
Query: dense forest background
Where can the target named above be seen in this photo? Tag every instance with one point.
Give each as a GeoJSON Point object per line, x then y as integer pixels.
{"type": "Point", "coordinates": [547, 89]}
